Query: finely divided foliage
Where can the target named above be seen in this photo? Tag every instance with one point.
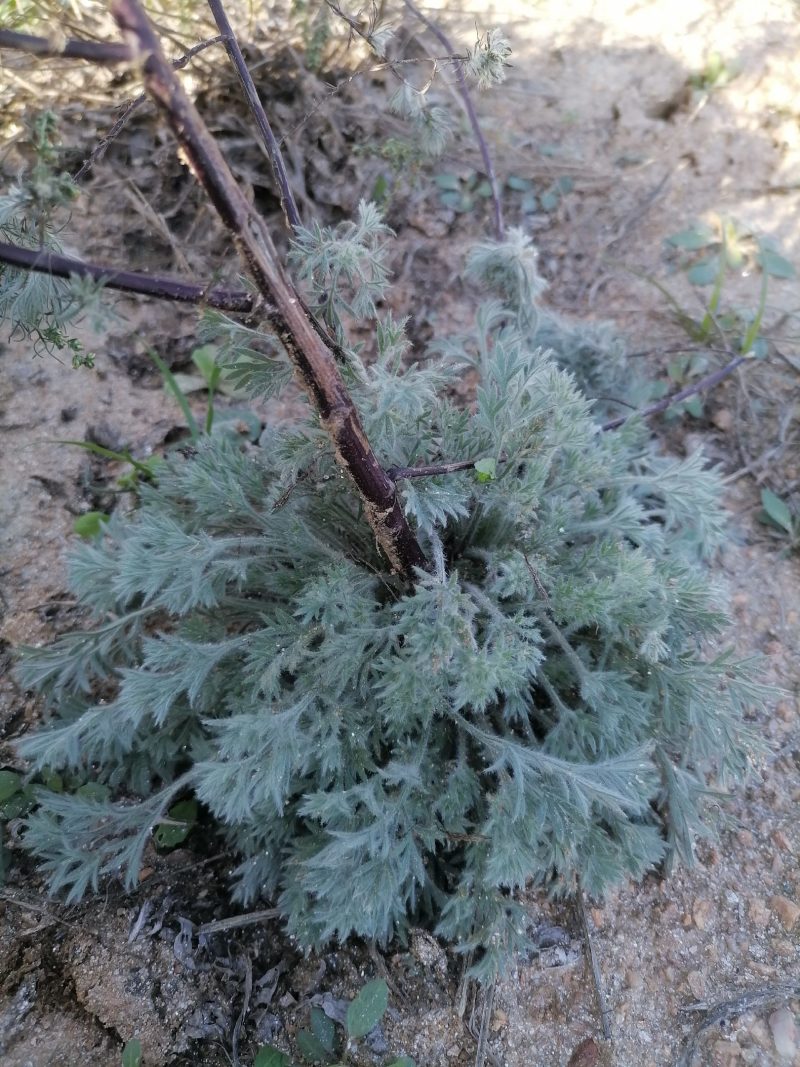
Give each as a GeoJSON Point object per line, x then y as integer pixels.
{"type": "Point", "coordinates": [539, 706]}
{"type": "Point", "coordinates": [536, 708]}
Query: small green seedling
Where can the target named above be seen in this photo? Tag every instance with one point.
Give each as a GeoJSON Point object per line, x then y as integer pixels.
{"type": "Point", "coordinates": [90, 525]}
{"type": "Point", "coordinates": [715, 74]}
{"type": "Point", "coordinates": [708, 253]}
{"type": "Point", "coordinates": [177, 825]}
{"type": "Point", "coordinates": [320, 1044]}
{"type": "Point", "coordinates": [132, 1053]}
{"type": "Point", "coordinates": [462, 194]}
{"type": "Point", "coordinates": [682, 370]}
{"type": "Point", "coordinates": [777, 514]}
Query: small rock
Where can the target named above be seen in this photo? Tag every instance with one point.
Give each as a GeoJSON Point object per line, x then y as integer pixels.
{"type": "Point", "coordinates": [697, 983]}
{"type": "Point", "coordinates": [780, 840]}
{"type": "Point", "coordinates": [784, 1032]}
{"type": "Point", "coordinates": [785, 710]}
{"type": "Point", "coordinates": [597, 918]}
{"type": "Point", "coordinates": [499, 1020]}
{"type": "Point", "coordinates": [722, 419]}
{"type": "Point", "coordinates": [701, 913]}
{"type": "Point", "coordinates": [760, 1034]}
{"type": "Point", "coordinates": [586, 1054]}
{"type": "Point", "coordinates": [758, 912]}
{"type": "Point", "coordinates": [454, 1052]}
{"type": "Point", "coordinates": [726, 1054]}
{"type": "Point", "coordinates": [633, 979]}
{"type": "Point", "coordinates": [787, 911]}
{"type": "Point", "coordinates": [744, 837]}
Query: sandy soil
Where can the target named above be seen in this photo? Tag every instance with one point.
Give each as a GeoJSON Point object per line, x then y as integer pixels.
{"type": "Point", "coordinates": [598, 92]}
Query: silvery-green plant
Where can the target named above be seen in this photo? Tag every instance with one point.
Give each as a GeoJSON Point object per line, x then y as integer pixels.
{"type": "Point", "coordinates": [535, 708]}
{"type": "Point", "coordinates": [381, 742]}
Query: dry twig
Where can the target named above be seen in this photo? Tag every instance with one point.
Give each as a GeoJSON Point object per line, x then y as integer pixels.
{"type": "Point", "coordinates": [588, 940]}
{"type": "Point", "coordinates": [763, 997]}
{"type": "Point", "coordinates": [472, 115]}
{"type": "Point", "coordinates": [37, 259]}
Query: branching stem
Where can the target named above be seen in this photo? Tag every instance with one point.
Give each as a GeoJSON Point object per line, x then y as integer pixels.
{"type": "Point", "coordinates": [472, 115]}
{"type": "Point", "coordinates": [44, 262]}
{"type": "Point", "coordinates": [311, 357]}
{"type": "Point", "coordinates": [700, 386]}
{"type": "Point", "coordinates": [251, 95]}
{"type": "Point", "coordinates": [104, 53]}
{"type": "Point", "coordinates": [133, 105]}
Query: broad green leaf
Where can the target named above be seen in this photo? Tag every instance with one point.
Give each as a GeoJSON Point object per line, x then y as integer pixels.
{"type": "Point", "coordinates": [777, 510]}
{"type": "Point", "coordinates": [694, 406]}
{"type": "Point", "coordinates": [775, 265]}
{"type": "Point", "coordinates": [184, 813]}
{"type": "Point", "coordinates": [366, 1011]}
{"type": "Point", "coordinates": [530, 203]}
{"type": "Point", "coordinates": [451, 198]}
{"type": "Point", "coordinates": [205, 359]}
{"type": "Point", "coordinates": [10, 783]}
{"type": "Point", "coordinates": [323, 1028]}
{"type": "Point", "coordinates": [487, 469]}
{"type": "Point", "coordinates": [519, 185]}
{"type": "Point", "coordinates": [483, 189]}
{"type": "Point", "coordinates": [692, 239]}
{"type": "Point", "coordinates": [447, 182]}
{"type": "Point", "coordinates": [189, 383]}
{"type": "Point", "coordinates": [90, 525]}
{"type": "Point", "coordinates": [132, 1053]}
{"type": "Point", "coordinates": [550, 199]}
{"type": "Point", "coordinates": [404, 1061]}
{"type": "Point", "coordinates": [705, 272]}
{"type": "Point", "coordinates": [565, 184]}
{"type": "Point", "coordinates": [311, 1048]}
{"type": "Point", "coordinates": [676, 368]}
{"type": "Point", "coordinates": [268, 1056]}
{"type": "Point", "coordinates": [19, 804]}
{"type": "Point", "coordinates": [760, 348]}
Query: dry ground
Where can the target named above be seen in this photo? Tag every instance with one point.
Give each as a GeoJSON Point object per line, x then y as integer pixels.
{"type": "Point", "coordinates": [598, 92]}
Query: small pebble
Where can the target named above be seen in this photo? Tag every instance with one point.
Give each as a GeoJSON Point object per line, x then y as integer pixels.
{"type": "Point", "coordinates": [784, 1032]}
{"type": "Point", "coordinates": [697, 983]}
{"type": "Point", "coordinates": [758, 912]}
{"type": "Point", "coordinates": [787, 911]}
{"type": "Point", "coordinates": [701, 913]}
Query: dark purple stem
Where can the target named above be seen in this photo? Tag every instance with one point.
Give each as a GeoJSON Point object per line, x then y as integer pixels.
{"type": "Point", "coordinates": [700, 386]}
{"type": "Point", "coordinates": [251, 94]}
{"type": "Point", "coordinates": [441, 36]}
{"type": "Point", "coordinates": [36, 259]}
{"type": "Point", "coordinates": [397, 474]}
{"type": "Point", "coordinates": [103, 52]}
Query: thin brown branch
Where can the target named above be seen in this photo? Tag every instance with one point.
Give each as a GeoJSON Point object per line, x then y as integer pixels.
{"type": "Point", "coordinates": [311, 357]}
{"type": "Point", "coordinates": [44, 262]}
{"type": "Point", "coordinates": [472, 115]}
{"type": "Point", "coordinates": [236, 922]}
{"type": "Point", "coordinates": [702, 385]}
{"type": "Point", "coordinates": [763, 997]}
{"type": "Point", "coordinates": [104, 53]}
{"type": "Point", "coordinates": [257, 109]}
{"type": "Point", "coordinates": [603, 1009]}
{"type": "Point", "coordinates": [398, 474]}
{"type": "Point", "coordinates": [99, 150]}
